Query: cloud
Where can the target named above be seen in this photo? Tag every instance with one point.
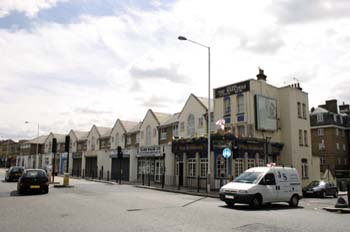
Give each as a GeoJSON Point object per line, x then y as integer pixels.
{"type": "Point", "coordinates": [86, 110]}
{"type": "Point", "coordinates": [169, 73]}
{"type": "Point", "coordinates": [299, 11]}
{"type": "Point", "coordinates": [266, 42]}
{"type": "Point", "coordinates": [29, 7]}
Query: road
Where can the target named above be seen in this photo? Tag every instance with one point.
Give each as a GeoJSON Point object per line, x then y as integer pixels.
{"type": "Point", "coordinates": [92, 206]}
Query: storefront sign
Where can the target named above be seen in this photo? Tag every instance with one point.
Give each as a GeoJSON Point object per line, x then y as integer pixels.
{"type": "Point", "coordinates": [149, 151]}
{"type": "Point", "coordinates": [114, 153]}
{"type": "Point", "coordinates": [77, 155]}
{"type": "Point", "coordinates": [232, 89]}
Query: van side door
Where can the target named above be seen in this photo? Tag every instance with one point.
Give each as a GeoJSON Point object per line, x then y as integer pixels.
{"type": "Point", "coordinates": [268, 187]}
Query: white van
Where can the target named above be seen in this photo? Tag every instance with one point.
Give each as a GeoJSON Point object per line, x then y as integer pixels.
{"type": "Point", "coordinates": [262, 185]}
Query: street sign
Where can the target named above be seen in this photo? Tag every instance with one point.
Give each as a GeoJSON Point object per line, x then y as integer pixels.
{"type": "Point", "coordinates": [226, 153]}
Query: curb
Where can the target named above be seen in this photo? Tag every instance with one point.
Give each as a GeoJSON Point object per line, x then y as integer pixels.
{"type": "Point", "coordinates": [337, 210]}
{"type": "Point", "coordinates": [177, 191]}
{"type": "Point", "coordinates": [63, 186]}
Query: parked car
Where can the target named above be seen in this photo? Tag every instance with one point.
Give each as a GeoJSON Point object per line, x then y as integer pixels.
{"type": "Point", "coordinates": [263, 185]}
{"type": "Point", "coordinates": [14, 173]}
{"type": "Point", "coordinates": [33, 180]}
{"type": "Point", "coordinates": [320, 188]}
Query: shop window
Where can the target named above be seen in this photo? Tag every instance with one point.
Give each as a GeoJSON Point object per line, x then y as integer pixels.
{"type": "Point", "coordinates": [203, 167]}
{"type": "Point", "coordinates": [251, 163]}
{"type": "Point", "coordinates": [191, 164]}
{"type": "Point", "coordinates": [221, 166]}
{"type": "Point", "coordinates": [238, 167]}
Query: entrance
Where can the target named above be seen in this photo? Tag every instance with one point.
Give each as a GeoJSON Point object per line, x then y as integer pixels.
{"type": "Point", "coordinates": [91, 167]}
{"type": "Point", "coordinates": [180, 169]}
{"type": "Point", "coordinates": [116, 168]}
{"type": "Point", "coordinates": [76, 171]}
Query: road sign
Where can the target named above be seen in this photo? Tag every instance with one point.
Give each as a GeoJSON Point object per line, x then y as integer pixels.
{"type": "Point", "coordinates": [226, 153]}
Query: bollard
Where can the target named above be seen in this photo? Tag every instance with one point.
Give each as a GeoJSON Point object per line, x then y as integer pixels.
{"type": "Point", "coordinates": [108, 175]}
{"type": "Point", "coordinates": [149, 180]}
{"type": "Point", "coordinates": [178, 182]}
{"type": "Point", "coordinates": [197, 184]}
{"type": "Point", "coordinates": [163, 180]}
{"type": "Point", "coordinates": [83, 173]}
{"type": "Point", "coordinates": [143, 179]}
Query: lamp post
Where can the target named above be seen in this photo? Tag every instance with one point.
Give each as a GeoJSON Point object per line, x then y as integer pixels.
{"type": "Point", "coordinates": [209, 116]}
{"type": "Point", "coordinates": [267, 141]}
{"type": "Point", "coordinates": [37, 141]}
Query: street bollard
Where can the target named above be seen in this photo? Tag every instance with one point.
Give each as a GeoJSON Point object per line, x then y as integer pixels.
{"type": "Point", "coordinates": [108, 175]}
{"type": "Point", "coordinates": [178, 182]}
{"type": "Point", "coordinates": [149, 179]}
{"type": "Point", "coordinates": [163, 177]}
{"type": "Point", "coordinates": [143, 179]}
{"type": "Point", "coordinates": [197, 184]}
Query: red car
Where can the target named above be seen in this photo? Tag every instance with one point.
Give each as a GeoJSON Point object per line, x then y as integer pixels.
{"type": "Point", "coordinates": [33, 180]}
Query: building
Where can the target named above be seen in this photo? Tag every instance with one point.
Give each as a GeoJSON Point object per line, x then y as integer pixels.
{"type": "Point", "coordinates": [31, 153]}
{"type": "Point", "coordinates": [9, 150]}
{"type": "Point", "coordinates": [77, 150]}
{"type": "Point", "coordinates": [330, 138]}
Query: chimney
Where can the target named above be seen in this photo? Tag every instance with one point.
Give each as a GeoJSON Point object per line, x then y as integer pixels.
{"type": "Point", "coordinates": [261, 75]}
{"type": "Point", "coordinates": [331, 105]}
{"type": "Point", "coordinates": [344, 109]}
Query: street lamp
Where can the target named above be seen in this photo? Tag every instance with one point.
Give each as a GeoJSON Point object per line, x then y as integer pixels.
{"type": "Point", "coordinates": [209, 116]}
{"type": "Point", "coordinates": [37, 141]}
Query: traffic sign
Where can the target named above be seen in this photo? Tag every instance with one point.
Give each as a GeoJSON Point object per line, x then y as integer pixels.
{"type": "Point", "coordinates": [226, 153]}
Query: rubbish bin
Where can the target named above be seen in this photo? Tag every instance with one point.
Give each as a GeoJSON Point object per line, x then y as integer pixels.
{"type": "Point", "coordinates": [66, 179]}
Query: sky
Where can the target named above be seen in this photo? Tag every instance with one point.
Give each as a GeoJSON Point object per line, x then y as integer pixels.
{"type": "Point", "coordinates": [72, 64]}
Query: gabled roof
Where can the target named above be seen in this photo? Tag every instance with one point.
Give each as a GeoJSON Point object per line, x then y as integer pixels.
{"type": "Point", "coordinates": [104, 131]}
{"type": "Point", "coordinates": [61, 138]}
{"type": "Point", "coordinates": [134, 129]}
{"type": "Point", "coordinates": [38, 140]}
{"type": "Point", "coordinates": [128, 125]}
{"type": "Point", "coordinates": [161, 117]}
{"type": "Point", "coordinates": [80, 135]}
{"type": "Point", "coordinates": [171, 120]}
{"type": "Point", "coordinates": [202, 101]}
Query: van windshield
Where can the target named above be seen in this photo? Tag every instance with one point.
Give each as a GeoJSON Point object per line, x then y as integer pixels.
{"type": "Point", "coordinates": [248, 177]}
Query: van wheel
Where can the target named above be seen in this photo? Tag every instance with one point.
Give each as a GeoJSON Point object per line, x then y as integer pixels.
{"type": "Point", "coordinates": [256, 202]}
{"type": "Point", "coordinates": [229, 204]}
{"type": "Point", "coordinates": [294, 201]}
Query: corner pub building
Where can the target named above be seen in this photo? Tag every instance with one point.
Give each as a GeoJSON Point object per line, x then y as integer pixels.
{"type": "Point", "coordinates": [263, 124]}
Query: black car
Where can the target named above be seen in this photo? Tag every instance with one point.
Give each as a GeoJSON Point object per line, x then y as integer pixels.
{"type": "Point", "coordinates": [14, 173]}
{"type": "Point", "coordinates": [33, 180]}
{"type": "Point", "coordinates": [320, 188]}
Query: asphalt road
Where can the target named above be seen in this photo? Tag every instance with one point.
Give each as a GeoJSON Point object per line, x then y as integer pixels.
{"type": "Point", "coordinates": [92, 206]}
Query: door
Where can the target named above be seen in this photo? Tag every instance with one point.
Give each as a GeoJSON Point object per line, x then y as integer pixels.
{"type": "Point", "coordinates": [181, 173]}
{"type": "Point", "coordinates": [268, 188]}
{"type": "Point", "coordinates": [117, 166]}
{"type": "Point", "coordinates": [157, 171]}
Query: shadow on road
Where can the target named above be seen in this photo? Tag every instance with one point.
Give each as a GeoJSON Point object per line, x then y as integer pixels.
{"type": "Point", "coordinates": [267, 207]}
{"type": "Point", "coordinates": [15, 193]}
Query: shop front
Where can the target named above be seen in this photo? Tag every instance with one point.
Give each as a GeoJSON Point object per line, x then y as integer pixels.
{"type": "Point", "coordinates": [150, 163]}
{"type": "Point", "coordinates": [120, 167]}
{"type": "Point", "coordinates": [77, 162]}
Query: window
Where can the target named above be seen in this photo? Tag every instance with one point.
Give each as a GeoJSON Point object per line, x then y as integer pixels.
{"type": "Point", "coordinates": [128, 139]}
{"type": "Point", "coordinates": [320, 117]}
{"type": "Point", "coordinates": [203, 167]}
{"type": "Point", "coordinates": [240, 103]}
{"type": "Point", "coordinates": [304, 111]}
{"type": "Point", "coordinates": [321, 146]}
{"type": "Point", "coordinates": [227, 105]}
{"type": "Point", "coordinates": [341, 119]}
{"type": "Point", "coordinates": [117, 139]}
{"type": "Point", "coordinates": [241, 131]}
{"type": "Point", "coordinates": [148, 135]}
{"type": "Point", "coordinates": [270, 179]}
{"type": "Point", "coordinates": [238, 167]}
{"type": "Point", "coordinates": [343, 133]}
{"type": "Point", "coordinates": [339, 161]}
{"type": "Point", "coordinates": [305, 137]}
{"type": "Point", "coordinates": [335, 117]}
{"type": "Point", "coordinates": [322, 160]}
{"type": "Point", "coordinates": [299, 110]}
{"type": "Point", "coordinates": [200, 122]}
{"type": "Point", "coordinates": [304, 169]}
{"type": "Point", "coordinates": [191, 163]}
{"type": "Point", "coordinates": [182, 126]}
{"type": "Point", "coordinates": [336, 131]}
{"type": "Point", "coordinates": [142, 135]}
{"type": "Point", "coordinates": [220, 166]}
{"type": "Point", "coordinates": [320, 132]}
{"type": "Point", "coordinates": [138, 137]}
{"type": "Point", "coordinates": [163, 133]}
{"type": "Point", "coordinates": [190, 125]}
{"type": "Point", "coordinates": [154, 132]}
{"type": "Point", "coordinates": [176, 130]}
{"type": "Point", "coordinates": [92, 143]}
{"type": "Point", "coordinates": [251, 163]}
{"type": "Point", "coordinates": [344, 149]}
{"type": "Point", "coordinates": [337, 145]}
{"type": "Point", "coordinates": [300, 138]}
